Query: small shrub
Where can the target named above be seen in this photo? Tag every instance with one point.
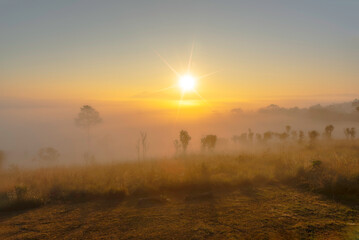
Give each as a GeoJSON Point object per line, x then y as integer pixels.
{"type": "Point", "coordinates": [19, 199]}
{"type": "Point", "coordinates": [20, 192]}
{"type": "Point", "coordinates": [316, 164]}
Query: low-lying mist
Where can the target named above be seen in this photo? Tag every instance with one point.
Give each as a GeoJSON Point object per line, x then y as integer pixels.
{"type": "Point", "coordinates": [25, 129]}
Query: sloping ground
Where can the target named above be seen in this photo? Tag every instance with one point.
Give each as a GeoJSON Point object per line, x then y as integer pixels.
{"type": "Point", "coordinates": [270, 212]}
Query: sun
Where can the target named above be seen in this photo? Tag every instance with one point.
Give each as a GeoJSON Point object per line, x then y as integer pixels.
{"type": "Point", "coordinates": [187, 83]}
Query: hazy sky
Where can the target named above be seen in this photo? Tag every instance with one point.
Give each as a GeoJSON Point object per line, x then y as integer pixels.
{"type": "Point", "coordinates": [280, 51]}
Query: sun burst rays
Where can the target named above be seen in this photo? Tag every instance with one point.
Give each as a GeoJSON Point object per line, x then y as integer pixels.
{"type": "Point", "coordinates": [184, 83]}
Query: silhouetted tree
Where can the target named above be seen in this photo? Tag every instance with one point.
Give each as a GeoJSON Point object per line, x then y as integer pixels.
{"type": "Point", "coordinates": [353, 133]}
{"type": "Point", "coordinates": [267, 136]}
{"type": "Point", "coordinates": [328, 131]}
{"type": "Point", "coordinates": [177, 146]}
{"type": "Point", "coordinates": [141, 146]}
{"type": "Point", "coordinates": [313, 135]}
{"type": "Point", "coordinates": [259, 137]}
{"type": "Point", "coordinates": [243, 138]}
{"type": "Point", "coordinates": [236, 139]}
{"type": "Point", "coordinates": [287, 129]}
{"type": "Point", "coordinates": [294, 135]}
{"type": "Point", "coordinates": [282, 136]}
{"type": "Point", "coordinates": [301, 136]}
{"type": "Point", "coordinates": [250, 135]}
{"type": "Point", "coordinates": [347, 132]}
{"type": "Point", "coordinates": [2, 159]}
{"type": "Point", "coordinates": [138, 149]}
{"type": "Point", "coordinates": [209, 142]}
{"type": "Point", "coordinates": [185, 138]}
{"type": "Point", "coordinates": [144, 144]}
{"type": "Point", "coordinates": [350, 133]}
{"type": "Point", "coordinates": [87, 118]}
{"type": "Point", "coordinates": [48, 154]}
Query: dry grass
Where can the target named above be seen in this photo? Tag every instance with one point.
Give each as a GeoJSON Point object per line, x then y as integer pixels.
{"type": "Point", "coordinates": [336, 173]}
{"type": "Point", "coordinates": [266, 192]}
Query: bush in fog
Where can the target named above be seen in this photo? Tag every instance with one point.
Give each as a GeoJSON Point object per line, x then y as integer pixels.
{"type": "Point", "coordinates": [267, 136]}
{"type": "Point", "coordinates": [209, 142]}
{"type": "Point", "coordinates": [350, 133]}
{"type": "Point", "coordinates": [250, 135]}
{"type": "Point", "coordinates": [235, 139]}
{"type": "Point", "coordinates": [287, 129]}
{"type": "Point", "coordinates": [87, 118]}
{"type": "Point", "coordinates": [301, 136]}
{"type": "Point", "coordinates": [294, 135]}
{"type": "Point", "coordinates": [48, 154]}
{"type": "Point", "coordinates": [185, 138]}
{"type": "Point", "coordinates": [282, 136]}
{"type": "Point", "coordinates": [328, 131]}
{"type": "Point", "coordinates": [313, 135]}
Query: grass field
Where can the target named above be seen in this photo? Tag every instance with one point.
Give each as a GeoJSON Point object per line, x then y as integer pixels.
{"type": "Point", "coordinates": [285, 191]}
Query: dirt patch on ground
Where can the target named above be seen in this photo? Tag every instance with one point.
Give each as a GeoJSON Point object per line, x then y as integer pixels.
{"type": "Point", "coordinates": [274, 212]}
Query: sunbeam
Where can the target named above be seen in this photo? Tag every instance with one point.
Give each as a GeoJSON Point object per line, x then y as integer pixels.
{"type": "Point", "coordinates": [207, 75]}
{"type": "Point", "coordinates": [165, 89]}
{"type": "Point", "coordinates": [190, 59]}
{"type": "Point", "coordinates": [168, 65]}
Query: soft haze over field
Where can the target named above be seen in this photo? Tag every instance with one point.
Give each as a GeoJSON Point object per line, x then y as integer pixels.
{"type": "Point", "coordinates": [57, 56]}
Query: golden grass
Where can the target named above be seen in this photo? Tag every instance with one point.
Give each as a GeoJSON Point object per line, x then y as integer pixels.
{"type": "Point", "coordinates": [339, 160]}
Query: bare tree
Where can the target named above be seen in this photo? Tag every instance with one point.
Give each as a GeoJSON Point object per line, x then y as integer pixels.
{"type": "Point", "coordinates": [185, 138]}
{"type": "Point", "coordinates": [144, 144]}
{"type": "Point", "coordinates": [328, 131]}
{"type": "Point", "coordinates": [141, 146]}
{"type": "Point", "coordinates": [177, 146]}
{"type": "Point", "coordinates": [138, 149]}
{"type": "Point", "coordinates": [87, 118]}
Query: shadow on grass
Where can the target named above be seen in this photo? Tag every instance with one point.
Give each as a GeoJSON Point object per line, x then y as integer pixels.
{"type": "Point", "coordinates": [20, 205]}
{"type": "Point", "coordinates": [328, 184]}
{"type": "Point", "coordinates": [85, 195]}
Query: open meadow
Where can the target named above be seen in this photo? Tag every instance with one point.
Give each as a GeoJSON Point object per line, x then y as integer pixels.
{"type": "Point", "coordinates": [271, 191]}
